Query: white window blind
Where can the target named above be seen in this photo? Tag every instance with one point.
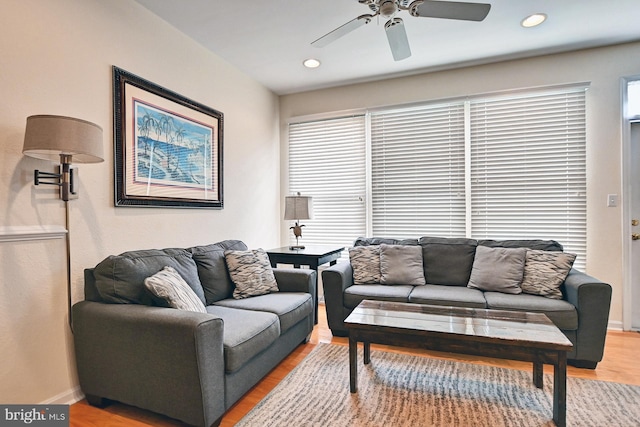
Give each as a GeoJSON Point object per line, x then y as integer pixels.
{"type": "Point", "coordinates": [417, 172]}
{"type": "Point", "coordinates": [327, 161]}
{"type": "Point", "coordinates": [528, 169]}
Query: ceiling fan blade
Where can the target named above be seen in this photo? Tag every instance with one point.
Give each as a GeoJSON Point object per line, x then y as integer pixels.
{"type": "Point", "coordinates": [342, 30]}
{"type": "Point", "coordinates": [452, 10]}
{"type": "Point", "coordinates": [397, 37]}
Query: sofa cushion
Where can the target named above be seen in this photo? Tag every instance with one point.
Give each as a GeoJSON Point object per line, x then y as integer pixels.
{"type": "Point", "coordinates": [246, 333]}
{"type": "Point", "coordinates": [171, 289]}
{"type": "Point", "coordinates": [290, 307]}
{"type": "Point", "coordinates": [354, 294]}
{"type": "Point", "coordinates": [212, 268]}
{"type": "Point", "coordinates": [448, 295]}
{"type": "Point", "coordinates": [447, 261]}
{"type": "Point", "coordinates": [541, 245]}
{"type": "Point", "coordinates": [365, 261]}
{"type": "Point", "coordinates": [401, 265]}
{"type": "Point", "coordinates": [366, 241]}
{"type": "Point", "coordinates": [251, 273]}
{"type": "Point", "coordinates": [560, 312]}
{"type": "Point", "coordinates": [120, 278]}
{"type": "Point", "coordinates": [498, 269]}
{"type": "Point", "coordinates": [545, 271]}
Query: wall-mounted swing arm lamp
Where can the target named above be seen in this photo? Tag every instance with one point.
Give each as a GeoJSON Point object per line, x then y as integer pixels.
{"type": "Point", "coordinates": [63, 139]}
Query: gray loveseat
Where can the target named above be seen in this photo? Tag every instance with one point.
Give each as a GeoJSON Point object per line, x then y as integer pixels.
{"type": "Point", "coordinates": [582, 313]}
{"type": "Point", "coordinates": [187, 365]}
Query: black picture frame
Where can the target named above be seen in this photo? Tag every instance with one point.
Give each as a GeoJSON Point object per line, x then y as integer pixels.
{"type": "Point", "coordinates": [168, 149]}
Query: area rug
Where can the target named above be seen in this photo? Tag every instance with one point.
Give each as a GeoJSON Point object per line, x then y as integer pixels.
{"type": "Point", "coordinates": [402, 390]}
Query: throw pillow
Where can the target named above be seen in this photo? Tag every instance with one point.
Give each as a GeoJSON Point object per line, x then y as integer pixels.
{"type": "Point", "coordinates": [544, 272]}
{"type": "Point", "coordinates": [120, 278]}
{"type": "Point", "coordinates": [168, 286]}
{"type": "Point", "coordinates": [365, 262]}
{"type": "Point", "coordinates": [401, 265]}
{"type": "Point", "coordinates": [251, 273]}
{"type": "Point", "coordinates": [212, 268]}
{"type": "Point", "coordinates": [447, 261]}
{"type": "Point", "coordinates": [498, 269]}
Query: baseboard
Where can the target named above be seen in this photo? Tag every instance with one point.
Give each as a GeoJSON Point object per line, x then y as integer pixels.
{"type": "Point", "coordinates": [68, 397]}
{"type": "Point", "coordinates": [615, 325]}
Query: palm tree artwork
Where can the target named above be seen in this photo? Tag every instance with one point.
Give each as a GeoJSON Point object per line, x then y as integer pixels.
{"type": "Point", "coordinates": [171, 149]}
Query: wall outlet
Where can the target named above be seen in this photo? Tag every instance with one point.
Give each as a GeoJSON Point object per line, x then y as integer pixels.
{"type": "Point", "coordinates": [612, 200]}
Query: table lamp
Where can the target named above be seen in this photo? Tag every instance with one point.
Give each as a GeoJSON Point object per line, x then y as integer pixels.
{"type": "Point", "coordinates": [296, 208]}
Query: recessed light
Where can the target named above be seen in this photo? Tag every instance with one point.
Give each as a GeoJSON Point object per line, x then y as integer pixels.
{"type": "Point", "coordinates": [311, 63]}
{"type": "Point", "coordinates": [533, 20]}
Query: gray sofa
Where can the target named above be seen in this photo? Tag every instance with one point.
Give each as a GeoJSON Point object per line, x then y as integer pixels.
{"type": "Point", "coordinates": [582, 314]}
{"type": "Point", "coordinates": [183, 364]}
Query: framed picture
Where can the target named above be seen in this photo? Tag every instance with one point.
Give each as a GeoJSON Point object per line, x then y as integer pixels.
{"type": "Point", "coordinates": [168, 149]}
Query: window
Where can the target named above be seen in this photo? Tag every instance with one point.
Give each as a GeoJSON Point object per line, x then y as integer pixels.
{"type": "Point", "coordinates": [327, 161]}
{"type": "Point", "coordinates": [508, 167]}
{"type": "Point", "coordinates": [528, 176]}
{"type": "Point", "coordinates": [417, 172]}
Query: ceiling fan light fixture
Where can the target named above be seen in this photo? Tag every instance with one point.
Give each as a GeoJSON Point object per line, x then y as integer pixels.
{"type": "Point", "coordinates": [533, 20]}
{"type": "Point", "coordinates": [311, 63]}
{"type": "Point", "coordinates": [388, 8]}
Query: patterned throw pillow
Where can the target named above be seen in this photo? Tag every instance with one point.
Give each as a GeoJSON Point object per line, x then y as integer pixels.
{"type": "Point", "coordinates": [168, 286]}
{"type": "Point", "coordinates": [365, 261]}
{"type": "Point", "coordinates": [545, 271]}
{"type": "Point", "coordinates": [251, 273]}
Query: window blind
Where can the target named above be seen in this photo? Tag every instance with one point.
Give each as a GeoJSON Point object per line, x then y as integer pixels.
{"type": "Point", "coordinates": [418, 172]}
{"type": "Point", "coordinates": [528, 169]}
{"type": "Point", "coordinates": [327, 160]}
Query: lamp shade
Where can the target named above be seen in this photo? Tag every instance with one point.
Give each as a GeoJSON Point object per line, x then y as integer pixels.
{"type": "Point", "coordinates": [298, 207]}
{"type": "Point", "coordinates": [47, 137]}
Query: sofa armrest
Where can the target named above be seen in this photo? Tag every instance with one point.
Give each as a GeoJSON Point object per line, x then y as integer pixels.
{"type": "Point", "coordinates": [296, 280]}
{"type": "Point", "coordinates": [592, 299]}
{"type": "Point", "coordinates": [121, 349]}
{"type": "Point", "coordinates": [335, 280]}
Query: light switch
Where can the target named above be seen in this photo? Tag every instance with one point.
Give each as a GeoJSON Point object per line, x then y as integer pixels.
{"type": "Point", "coordinates": [612, 200]}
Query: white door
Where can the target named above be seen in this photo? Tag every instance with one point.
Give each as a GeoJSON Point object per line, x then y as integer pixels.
{"type": "Point", "coordinates": [635, 226]}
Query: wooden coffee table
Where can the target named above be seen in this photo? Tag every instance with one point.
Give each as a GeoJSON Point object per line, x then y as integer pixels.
{"type": "Point", "coordinates": [513, 335]}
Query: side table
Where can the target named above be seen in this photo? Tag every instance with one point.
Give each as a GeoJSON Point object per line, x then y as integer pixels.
{"type": "Point", "coordinates": [311, 255]}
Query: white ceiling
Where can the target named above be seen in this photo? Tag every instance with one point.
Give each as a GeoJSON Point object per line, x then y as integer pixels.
{"type": "Point", "coordinates": [269, 39]}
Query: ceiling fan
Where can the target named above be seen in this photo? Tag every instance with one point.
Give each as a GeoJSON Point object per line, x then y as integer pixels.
{"type": "Point", "coordinates": [394, 27]}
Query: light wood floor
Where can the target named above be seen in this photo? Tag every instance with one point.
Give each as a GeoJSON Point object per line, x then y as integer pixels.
{"type": "Point", "coordinates": [619, 365]}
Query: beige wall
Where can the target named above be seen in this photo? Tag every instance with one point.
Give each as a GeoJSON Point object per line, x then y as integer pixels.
{"type": "Point", "coordinates": [602, 68]}
{"type": "Point", "coordinates": [56, 58]}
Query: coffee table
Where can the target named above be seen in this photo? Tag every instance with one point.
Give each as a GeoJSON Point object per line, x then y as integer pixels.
{"type": "Point", "coordinates": [513, 335]}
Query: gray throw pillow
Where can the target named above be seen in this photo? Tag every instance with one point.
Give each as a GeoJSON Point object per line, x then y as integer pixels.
{"type": "Point", "coordinates": [168, 286]}
{"type": "Point", "coordinates": [498, 269]}
{"type": "Point", "coordinates": [447, 261]}
{"type": "Point", "coordinates": [544, 272]}
{"type": "Point", "coordinates": [251, 273]}
{"type": "Point", "coordinates": [401, 265]}
{"type": "Point", "coordinates": [365, 262]}
{"type": "Point", "coordinates": [212, 268]}
{"type": "Point", "coordinates": [120, 278]}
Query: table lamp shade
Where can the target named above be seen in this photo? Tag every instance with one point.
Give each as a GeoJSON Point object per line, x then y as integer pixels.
{"type": "Point", "coordinates": [298, 207]}
{"type": "Point", "coordinates": [47, 137]}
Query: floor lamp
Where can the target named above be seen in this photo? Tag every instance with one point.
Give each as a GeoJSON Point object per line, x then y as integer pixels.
{"type": "Point", "coordinates": [63, 139]}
